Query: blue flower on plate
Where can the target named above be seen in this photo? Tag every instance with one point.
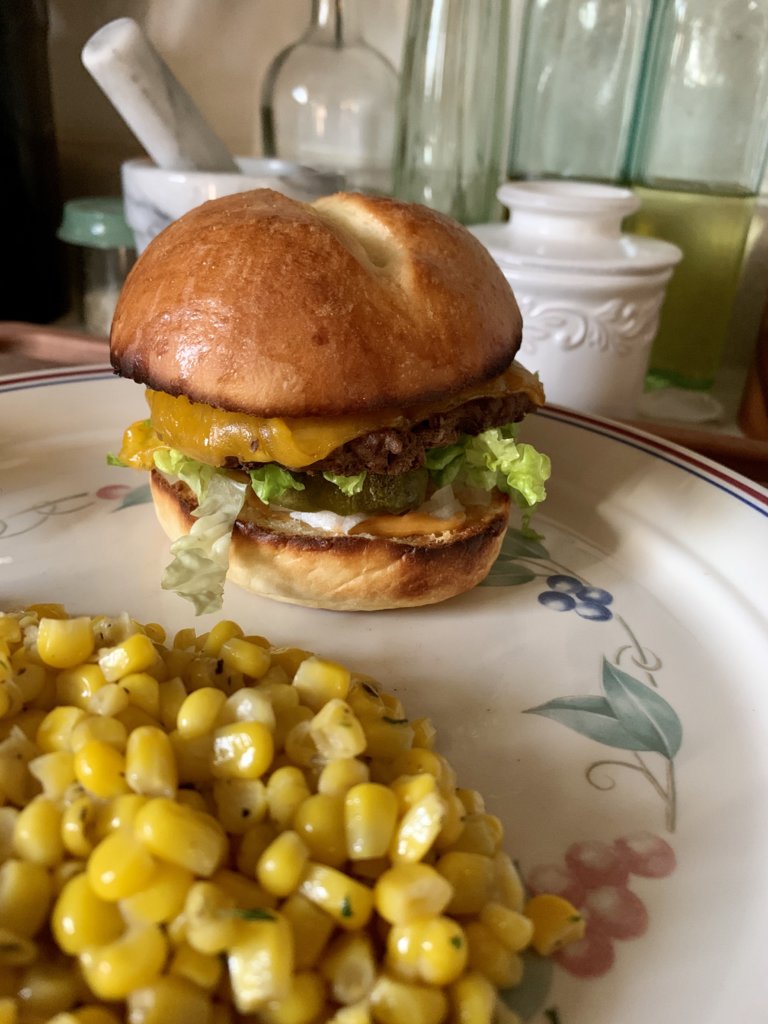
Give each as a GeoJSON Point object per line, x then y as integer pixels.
{"type": "Point", "coordinates": [566, 594]}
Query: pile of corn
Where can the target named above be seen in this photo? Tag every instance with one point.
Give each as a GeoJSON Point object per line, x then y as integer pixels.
{"type": "Point", "coordinates": [211, 830]}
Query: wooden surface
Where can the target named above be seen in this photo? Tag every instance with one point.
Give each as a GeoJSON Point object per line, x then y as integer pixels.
{"type": "Point", "coordinates": [25, 347]}
{"type": "Point", "coordinates": [742, 454]}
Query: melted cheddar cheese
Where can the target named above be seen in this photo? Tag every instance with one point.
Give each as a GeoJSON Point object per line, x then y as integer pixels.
{"type": "Point", "coordinates": [140, 442]}
{"type": "Point", "coordinates": [213, 435]}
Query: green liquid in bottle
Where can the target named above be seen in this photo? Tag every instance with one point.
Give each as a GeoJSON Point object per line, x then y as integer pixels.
{"type": "Point", "coordinates": [711, 231]}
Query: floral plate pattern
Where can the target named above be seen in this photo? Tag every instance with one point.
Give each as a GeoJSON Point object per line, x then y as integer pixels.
{"type": "Point", "coordinates": [605, 687]}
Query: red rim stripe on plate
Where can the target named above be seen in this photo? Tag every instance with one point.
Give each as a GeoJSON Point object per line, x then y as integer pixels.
{"type": "Point", "coordinates": [667, 450]}
{"type": "Point", "coordinates": [57, 375]}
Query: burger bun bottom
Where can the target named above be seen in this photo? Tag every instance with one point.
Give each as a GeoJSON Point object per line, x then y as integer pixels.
{"type": "Point", "coordinates": [283, 559]}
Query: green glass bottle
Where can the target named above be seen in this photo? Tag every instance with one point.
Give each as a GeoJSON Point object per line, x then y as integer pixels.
{"type": "Point", "coordinates": [452, 107]}
{"type": "Point", "coordinates": [578, 76]}
{"type": "Point", "coordinates": [698, 158]}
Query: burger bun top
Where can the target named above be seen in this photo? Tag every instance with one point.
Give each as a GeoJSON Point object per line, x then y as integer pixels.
{"type": "Point", "coordinates": [260, 304]}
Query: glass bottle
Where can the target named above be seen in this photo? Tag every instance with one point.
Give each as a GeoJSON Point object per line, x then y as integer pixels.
{"type": "Point", "coordinates": [329, 101]}
{"type": "Point", "coordinates": [578, 76]}
{"type": "Point", "coordinates": [102, 249]}
{"type": "Point", "coordinates": [701, 142]}
{"type": "Point", "coordinates": [452, 107]}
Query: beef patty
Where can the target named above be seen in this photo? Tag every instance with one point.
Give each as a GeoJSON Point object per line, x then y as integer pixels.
{"type": "Point", "coordinates": [390, 450]}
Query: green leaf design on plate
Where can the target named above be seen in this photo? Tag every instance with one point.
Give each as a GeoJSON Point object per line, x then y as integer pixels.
{"type": "Point", "coordinates": [518, 544]}
{"type": "Point", "coordinates": [592, 717]}
{"type": "Point", "coordinates": [642, 711]}
{"type": "Point", "coordinates": [631, 716]}
{"type": "Point", "coordinates": [138, 496]}
{"type": "Point", "coordinates": [508, 574]}
{"type": "Point", "coordinates": [528, 998]}
{"type": "Point", "coordinates": [506, 571]}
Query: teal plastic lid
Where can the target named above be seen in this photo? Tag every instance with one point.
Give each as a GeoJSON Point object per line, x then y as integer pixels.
{"type": "Point", "coordinates": [97, 222]}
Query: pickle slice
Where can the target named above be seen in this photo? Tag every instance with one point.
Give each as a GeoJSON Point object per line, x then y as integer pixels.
{"type": "Point", "coordinates": [380, 493]}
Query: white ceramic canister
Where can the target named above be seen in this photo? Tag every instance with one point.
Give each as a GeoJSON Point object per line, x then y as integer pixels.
{"type": "Point", "coordinates": [589, 295]}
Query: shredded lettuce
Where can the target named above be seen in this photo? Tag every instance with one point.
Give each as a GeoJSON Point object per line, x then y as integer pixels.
{"type": "Point", "coordinates": [444, 463]}
{"type": "Point", "coordinates": [201, 558]}
{"type": "Point", "coordinates": [493, 459]}
{"type": "Point", "coordinates": [196, 475]}
{"type": "Point", "coordinates": [270, 481]}
{"type": "Point", "coordinates": [348, 485]}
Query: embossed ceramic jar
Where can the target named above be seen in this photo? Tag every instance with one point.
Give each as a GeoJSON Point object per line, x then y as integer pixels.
{"type": "Point", "coordinates": [590, 296]}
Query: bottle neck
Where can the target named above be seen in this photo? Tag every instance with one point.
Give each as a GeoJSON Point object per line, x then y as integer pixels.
{"type": "Point", "coordinates": [335, 22]}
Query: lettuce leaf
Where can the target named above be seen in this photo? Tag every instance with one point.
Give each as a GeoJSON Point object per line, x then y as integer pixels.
{"type": "Point", "coordinates": [348, 485]}
{"type": "Point", "coordinates": [201, 558]}
{"type": "Point", "coordinates": [493, 459]}
{"type": "Point", "coordinates": [444, 463]}
{"type": "Point", "coordinates": [270, 481]}
{"type": "Point", "coordinates": [196, 475]}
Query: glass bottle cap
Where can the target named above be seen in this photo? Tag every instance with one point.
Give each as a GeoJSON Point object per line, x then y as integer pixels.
{"type": "Point", "coordinates": [97, 222]}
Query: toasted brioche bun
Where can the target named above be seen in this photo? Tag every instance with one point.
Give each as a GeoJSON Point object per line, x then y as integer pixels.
{"type": "Point", "coordinates": [283, 559]}
{"type": "Point", "coordinates": [259, 304]}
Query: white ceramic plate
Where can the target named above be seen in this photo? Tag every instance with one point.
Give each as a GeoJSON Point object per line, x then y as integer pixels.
{"type": "Point", "coordinates": [610, 681]}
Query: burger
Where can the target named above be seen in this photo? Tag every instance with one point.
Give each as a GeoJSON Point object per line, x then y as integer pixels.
{"type": "Point", "coordinates": [333, 400]}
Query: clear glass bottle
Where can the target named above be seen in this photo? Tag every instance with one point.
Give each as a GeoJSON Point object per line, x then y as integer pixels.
{"type": "Point", "coordinates": [699, 153]}
{"type": "Point", "coordinates": [578, 76]}
{"type": "Point", "coordinates": [329, 101]}
{"type": "Point", "coordinates": [452, 107]}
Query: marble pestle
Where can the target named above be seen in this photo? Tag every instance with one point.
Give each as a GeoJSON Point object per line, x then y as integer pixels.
{"type": "Point", "coordinates": [152, 102]}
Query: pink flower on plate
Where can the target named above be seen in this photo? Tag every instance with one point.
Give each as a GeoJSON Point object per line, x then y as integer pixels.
{"type": "Point", "coordinates": [646, 855]}
{"type": "Point", "coordinates": [112, 492]}
{"type": "Point", "coordinates": [595, 878]}
{"type": "Point", "coordinates": [616, 911]}
{"type": "Point", "coordinates": [557, 879]}
{"type": "Point", "coordinates": [596, 863]}
{"type": "Point", "coordinates": [126, 496]}
{"type": "Point", "coordinates": [590, 957]}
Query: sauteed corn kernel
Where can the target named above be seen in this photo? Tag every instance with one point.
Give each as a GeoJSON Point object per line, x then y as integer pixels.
{"type": "Point", "coordinates": [212, 829]}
